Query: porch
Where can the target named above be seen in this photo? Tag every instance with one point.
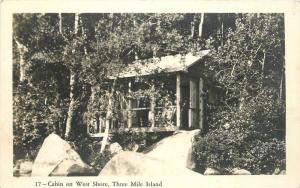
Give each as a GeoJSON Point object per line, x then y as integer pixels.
{"type": "Point", "coordinates": [183, 108]}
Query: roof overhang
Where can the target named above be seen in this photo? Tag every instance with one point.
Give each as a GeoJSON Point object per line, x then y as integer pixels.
{"type": "Point", "coordinates": [166, 64]}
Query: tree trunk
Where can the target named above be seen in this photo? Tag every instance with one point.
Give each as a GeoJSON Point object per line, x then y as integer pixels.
{"type": "Point", "coordinates": [262, 69]}
{"type": "Point", "coordinates": [282, 84]}
{"type": "Point", "coordinates": [109, 117]}
{"type": "Point", "coordinates": [79, 96]}
{"type": "Point", "coordinates": [60, 23]}
{"type": "Point", "coordinates": [22, 50]}
{"type": "Point", "coordinates": [201, 24]}
{"type": "Point", "coordinates": [72, 106]}
{"type": "Point", "coordinates": [193, 27]}
{"type": "Point", "coordinates": [220, 19]}
{"type": "Point", "coordinates": [76, 23]}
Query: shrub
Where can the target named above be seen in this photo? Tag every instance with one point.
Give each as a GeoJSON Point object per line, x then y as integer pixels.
{"type": "Point", "coordinates": [251, 137]}
{"type": "Point", "coordinates": [89, 150]}
{"type": "Point", "coordinates": [35, 116]}
{"type": "Point", "coordinates": [129, 139]}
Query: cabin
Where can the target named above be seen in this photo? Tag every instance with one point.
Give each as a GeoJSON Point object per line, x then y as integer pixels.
{"type": "Point", "coordinates": [177, 104]}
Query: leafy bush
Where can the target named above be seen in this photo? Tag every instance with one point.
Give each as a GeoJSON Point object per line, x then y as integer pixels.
{"type": "Point", "coordinates": [129, 139]}
{"type": "Point", "coordinates": [89, 151]}
{"type": "Point", "coordinates": [251, 137]}
{"type": "Point", "coordinates": [34, 119]}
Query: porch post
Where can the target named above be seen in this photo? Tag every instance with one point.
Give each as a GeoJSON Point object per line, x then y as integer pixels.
{"type": "Point", "coordinates": [178, 100]}
{"type": "Point", "coordinates": [129, 107]}
{"type": "Point", "coordinates": [193, 103]}
{"type": "Point", "coordinates": [201, 103]}
{"type": "Point", "coordinates": [152, 112]}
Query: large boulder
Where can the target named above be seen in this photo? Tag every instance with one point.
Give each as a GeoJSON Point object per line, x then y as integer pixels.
{"type": "Point", "coordinates": [129, 163]}
{"type": "Point", "coordinates": [170, 156]}
{"type": "Point", "coordinates": [176, 150]}
{"type": "Point", "coordinates": [70, 168]}
{"type": "Point", "coordinates": [190, 160]}
{"type": "Point", "coordinates": [57, 158]}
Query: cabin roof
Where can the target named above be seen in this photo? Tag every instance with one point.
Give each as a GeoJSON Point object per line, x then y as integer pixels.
{"type": "Point", "coordinates": [165, 64]}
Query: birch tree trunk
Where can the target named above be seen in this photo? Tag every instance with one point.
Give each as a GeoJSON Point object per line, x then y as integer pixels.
{"type": "Point", "coordinates": [76, 23]}
{"type": "Point", "coordinates": [109, 116]}
{"type": "Point", "coordinates": [22, 50]}
{"type": "Point", "coordinates": [282, 84]}
{"type": "Point", "coordinates": [193, 27]}
{"type": "Point", "coordinates": [72, 106]}
{"type": "Point", "coordinates": [79, 95]}
{"type": "Point", "coordinates": [201, 24]}
{"type": "Point", "coordinates": [60, 23]}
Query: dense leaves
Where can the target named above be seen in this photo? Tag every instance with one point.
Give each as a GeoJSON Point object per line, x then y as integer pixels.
{"type": "Point", "coordinates": [252, 138]}
{"type": "Point", "coordinates": [247, 121]}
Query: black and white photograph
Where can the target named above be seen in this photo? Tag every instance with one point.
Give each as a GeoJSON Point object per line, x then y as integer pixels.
{"type": "Point", "coordinates": [148, 94]}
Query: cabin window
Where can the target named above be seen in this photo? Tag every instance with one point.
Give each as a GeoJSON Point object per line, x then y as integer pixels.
{"type": "Point", "coordinates": [140, 112]}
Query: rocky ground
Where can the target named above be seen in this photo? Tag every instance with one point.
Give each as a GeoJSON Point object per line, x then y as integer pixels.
{"type": "Point", "coordinates": [170, 156]}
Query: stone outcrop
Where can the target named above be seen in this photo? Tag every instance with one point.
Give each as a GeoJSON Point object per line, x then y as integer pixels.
{"type": "Point", "coordinates": [176, 150]}
{"type": "Point", "coordinates": [57, 158]}
{"type": "Point", "coordinates": [170, 156]}
{"type": "Point", "coordinates": [129, 163]}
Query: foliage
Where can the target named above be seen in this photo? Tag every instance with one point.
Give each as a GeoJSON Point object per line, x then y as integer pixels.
{"type": "Point", "coordinates": [89, 151]}
{"type": "Point", "coordinates": [246, 60]}
{"type": "Point", "coordinates": [247, 122]}
{"type": "Point", "coordinates": [43, 119]}
{"type": "Point", "coordinates": [130, 139]}
{"type": "Point", "coordinates": [251, 138]}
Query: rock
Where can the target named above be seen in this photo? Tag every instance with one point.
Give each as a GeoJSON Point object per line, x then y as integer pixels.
{"type": "Point", "coordinates": [56, 157]}
{"type": "Point", "coordinates": [25, 168]}
{"type": "Point", "coordinates": [239, 171]}
{"type": "Point", "coordinates": [16, 171]}
{"type": "Point", "coordinates": [171, 156]}
{"type": "Point", "coordinates": [115, 148]}
{"type": "Point", "coordinates": [175, 150]}
{"type": "Point", "coordinates": [68, 168]}
{"type": "Point", "coordinates": [129, 163]}
{"type": "Point", "coordinates": [211, 171]}
{"type": "Point", "coordinates": [134, 147]}
{"type": "Point", "coordinates": [22, 168]}
{"type": "Point", "coordinates": [190, 160]}
{"type": "Point", "coordinates": [282, 172]}
{"type": "Point", "coordinates": [276, 171]}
